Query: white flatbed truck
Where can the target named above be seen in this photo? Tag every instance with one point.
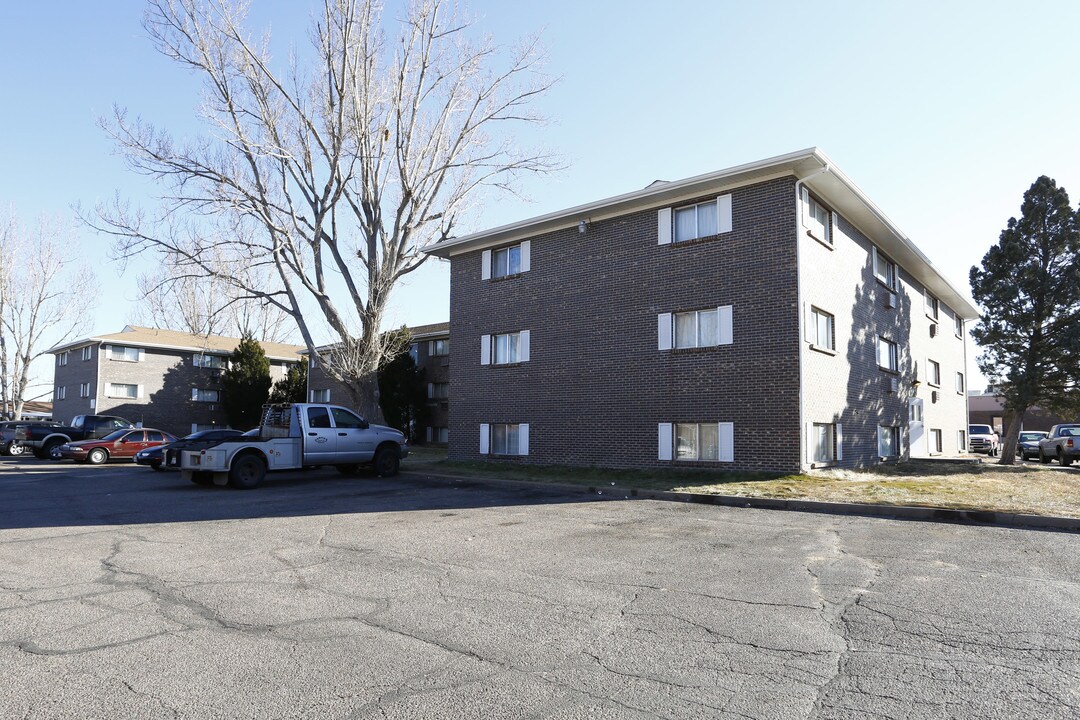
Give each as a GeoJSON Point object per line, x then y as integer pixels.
{"type": "Point", "coordinates": [295, 436]}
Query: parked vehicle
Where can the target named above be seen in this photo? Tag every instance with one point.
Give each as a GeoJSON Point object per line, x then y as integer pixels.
{"type": "Point", "coordinates": [195, 441]}
{"type": "Point", "coordinates": [1027, 446]}
{"type": "Point", "coordinates": [1063, 443]}
{"type": "Point", "coordinates": [983, 439]}
{"type": "Point", "coordinates": [118, 445]}
{"type": "Point", "coordinates": [46, 441]}
{"type": "Point", "coordinates": [294, 436]}
{"type": "Point", "coordinates": [152, 457]}
{"type": "Point", "coordinates": [9, 444]}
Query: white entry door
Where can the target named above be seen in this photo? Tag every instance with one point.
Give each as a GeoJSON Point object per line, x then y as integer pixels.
{"type": "Point", "coordinates": [916, 430]}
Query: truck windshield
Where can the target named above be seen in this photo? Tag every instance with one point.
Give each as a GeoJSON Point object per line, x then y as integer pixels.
{"type": "Point", "coordinates": [980, 430]}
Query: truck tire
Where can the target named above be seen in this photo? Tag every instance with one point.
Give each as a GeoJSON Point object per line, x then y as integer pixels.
{"type": "Point", "coordinates": [1063, 459]}
{"type": "Point", "coordinates": [387, 461]}
{"type": "Point", "coordinates": [247, 472]}
{"type": "Point", "coordinates": [97, 456]}
{"type": "Point", "coordinates": [51, 450]}
{"type": "Point", "coordinates": [1042, 457]}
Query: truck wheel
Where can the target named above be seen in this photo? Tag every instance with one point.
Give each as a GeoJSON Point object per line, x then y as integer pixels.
{"type": "Point", "coordinates": [247, 472]}
{"type": "Point", "coordinates": [387, 461]}
{"type": "Point", "coordinates": [201, 478]}
{"type": "Point", "coordinates": [15, 450]}
{"type": "Point", "coordinates": [97, 456]}
{"type": "Point", "coordinates": [347, 469]}
{"type": "Point", "coordinates": [1042, 457]}
{"type": "Point", "coordinates": [51, 450]}
{"type": "Point", "coordinates": [1063, 459]}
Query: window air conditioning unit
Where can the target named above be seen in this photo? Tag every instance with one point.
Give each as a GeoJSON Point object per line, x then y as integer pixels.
{"type": "Point", "coordinates": [890, 299]}
{"type": "Point", "coordinates": [892, 385]}
{"type": "Point", "coordinates": [933, 396]}
{"type": "Point", "coordinates": [933, 329]}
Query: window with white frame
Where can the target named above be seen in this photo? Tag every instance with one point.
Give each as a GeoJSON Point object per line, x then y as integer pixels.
{"type": "Point", "coordinates": [887, 357]}
{"type": "Point", "coordinates": [959, 326]}
{"type": "Point", "coordinates": [824, 442]}
{"type": "Point", "coordinates": [935, 440]}
{"type": "Point", "coordinates": [209, 361]}
{"type": "Point", "coordinates": [961, 441]}
{"type": "Point", "coordinates": [504, 439]}
{"type": "Point", "coordinates": [695, 221]}
{"type": "Point", "coordinates": [960, 383]}
{"type": "Point", "coordinates": [933, 307]}
{"type": "Point", "coordinates": [123, 390]}
{"type": "Point", "coordinates": [884, 270]}
{"type": "Point", "coordinates": [888, 441]}
{"type": "Point", "coordinates": [698, 442]}
{"type": "Point", "coordinates": [62, 358]}
{"type": "Point", "coordinates": [84, 389]}
{"type": "Point", "coordinates": [437, 348]}
{"type": "Point", "coordinates": [505, 348]}
{"type": "Point", "coordinates": [201, 395]}
{"type": "Point", "coordinates": [933, 373]}
{"type": "Point", "coordinates": [506, 261]}
{"type": "Point", "coordinates": [699, 328]}
{"type": "Point", "coordinates": [817, 220]}
{"type": "Point", "coordinates": [438, 391]}
{"type": "Point", "coordinates": [124, 354]}
{"type": "Point", "coordinates": [60, 393]}
{"type": "Point", "coordinates": [320, 396]}
{"type": "Point", "coordinates": [88, 352]}
{"type": "Point", "coordinates": [822, 326]}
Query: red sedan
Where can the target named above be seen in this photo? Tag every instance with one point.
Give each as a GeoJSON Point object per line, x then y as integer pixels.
{"type": "Point", "coordinates": [119, 444]}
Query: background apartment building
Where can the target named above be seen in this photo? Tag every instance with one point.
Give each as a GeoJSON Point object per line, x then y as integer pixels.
{"type": "Point", "coordinates": [164, 379]}
{"type": "Point", "coordinates": [430, 350]}
{"type": "Point", "coordinates": [764, 317]}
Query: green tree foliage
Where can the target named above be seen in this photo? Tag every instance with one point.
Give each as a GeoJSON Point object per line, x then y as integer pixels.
{"type": "Point", "coordinates": [402, 390]}
{"type": "Point", "coordinates": [246, 384]}
{"type": "Point", "coordinates": [293, 387]}
{"type": "Point", "coordinates": [1029, 291]}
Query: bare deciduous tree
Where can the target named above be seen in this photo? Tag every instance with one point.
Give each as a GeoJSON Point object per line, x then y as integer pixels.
{"type": "Point", "coordinates": [335, 173]}
{"type": "Point", "coordinates": [210, 304]}
{"type": "Point", "coordinates": [44, 295]}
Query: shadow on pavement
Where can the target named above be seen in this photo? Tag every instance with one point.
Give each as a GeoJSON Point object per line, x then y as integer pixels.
{"type": "Point", "coordinates": [36, 494]}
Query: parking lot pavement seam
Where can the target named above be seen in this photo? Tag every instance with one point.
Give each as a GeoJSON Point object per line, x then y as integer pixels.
{"type": "Point", "coordinates": [990, 518]}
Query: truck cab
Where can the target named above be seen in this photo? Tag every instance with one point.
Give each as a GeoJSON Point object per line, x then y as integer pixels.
{"type": "Point", "coordinates": [293, 436]}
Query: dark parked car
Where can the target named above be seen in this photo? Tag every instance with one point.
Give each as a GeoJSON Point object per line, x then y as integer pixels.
{"type": "Point", "coordinates": [1027, 446]}
{"type": "Point", "coordinates": [122, 444]}
{"type": "Point", "coordinates": [9, 445]}
{"type": "Point", "coordinates": [195, 441]}
{"type": "Point", "coordinates": [153, 456]}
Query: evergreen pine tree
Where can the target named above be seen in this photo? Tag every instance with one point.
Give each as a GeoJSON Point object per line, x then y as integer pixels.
{"type": "Point", "coordinates": [246, 384]}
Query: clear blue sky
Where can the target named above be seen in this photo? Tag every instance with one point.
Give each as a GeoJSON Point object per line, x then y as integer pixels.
{"type": "Point", "coordinates": [943, 112]}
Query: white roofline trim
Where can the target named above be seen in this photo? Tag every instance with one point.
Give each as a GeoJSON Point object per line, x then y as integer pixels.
{"type": "Point", "coordinates": [184, 348]}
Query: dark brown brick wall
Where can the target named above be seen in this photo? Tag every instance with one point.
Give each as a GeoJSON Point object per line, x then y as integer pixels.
{"type": "Point", "coordinates": [596, 387]}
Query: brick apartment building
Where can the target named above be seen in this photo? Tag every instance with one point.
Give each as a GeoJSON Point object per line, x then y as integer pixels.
{"type": "Point", "coordinates": [164, 379]}
{"type": "Point", "coordinates": [764, 317]}
{"type": "Point", "coordinates": [430, 350]}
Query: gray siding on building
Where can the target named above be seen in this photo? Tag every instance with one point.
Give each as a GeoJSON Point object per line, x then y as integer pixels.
{"type": "Point", "coordinates": [596, 388]}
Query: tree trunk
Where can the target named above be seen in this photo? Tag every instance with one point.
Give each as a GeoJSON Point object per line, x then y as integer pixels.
{"type": "Point", "coordinates": [1014, 420]}
{"type": "Point", "coordinates": [364, 395]}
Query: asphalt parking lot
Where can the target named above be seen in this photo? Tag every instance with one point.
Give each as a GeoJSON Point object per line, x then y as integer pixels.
{"type": "Point", "coordinates": [126, 593]}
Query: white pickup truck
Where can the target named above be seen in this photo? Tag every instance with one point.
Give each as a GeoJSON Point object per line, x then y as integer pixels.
{"type": "Point", "coordinates": [295, 436]}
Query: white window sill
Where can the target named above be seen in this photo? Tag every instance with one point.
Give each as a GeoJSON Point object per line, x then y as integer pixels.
{"type": "Point", "coordinates": [824, 242]}
{"type": "Point", "coordinates": [822, 350]}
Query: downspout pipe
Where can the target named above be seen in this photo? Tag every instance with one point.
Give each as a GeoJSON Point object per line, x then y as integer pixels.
{"type": "Point", "coordinates": [801, 313]}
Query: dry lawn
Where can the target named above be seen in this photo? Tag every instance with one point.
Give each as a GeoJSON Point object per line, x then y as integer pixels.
{"type": "Point", "coordinates": [1027, 488]}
